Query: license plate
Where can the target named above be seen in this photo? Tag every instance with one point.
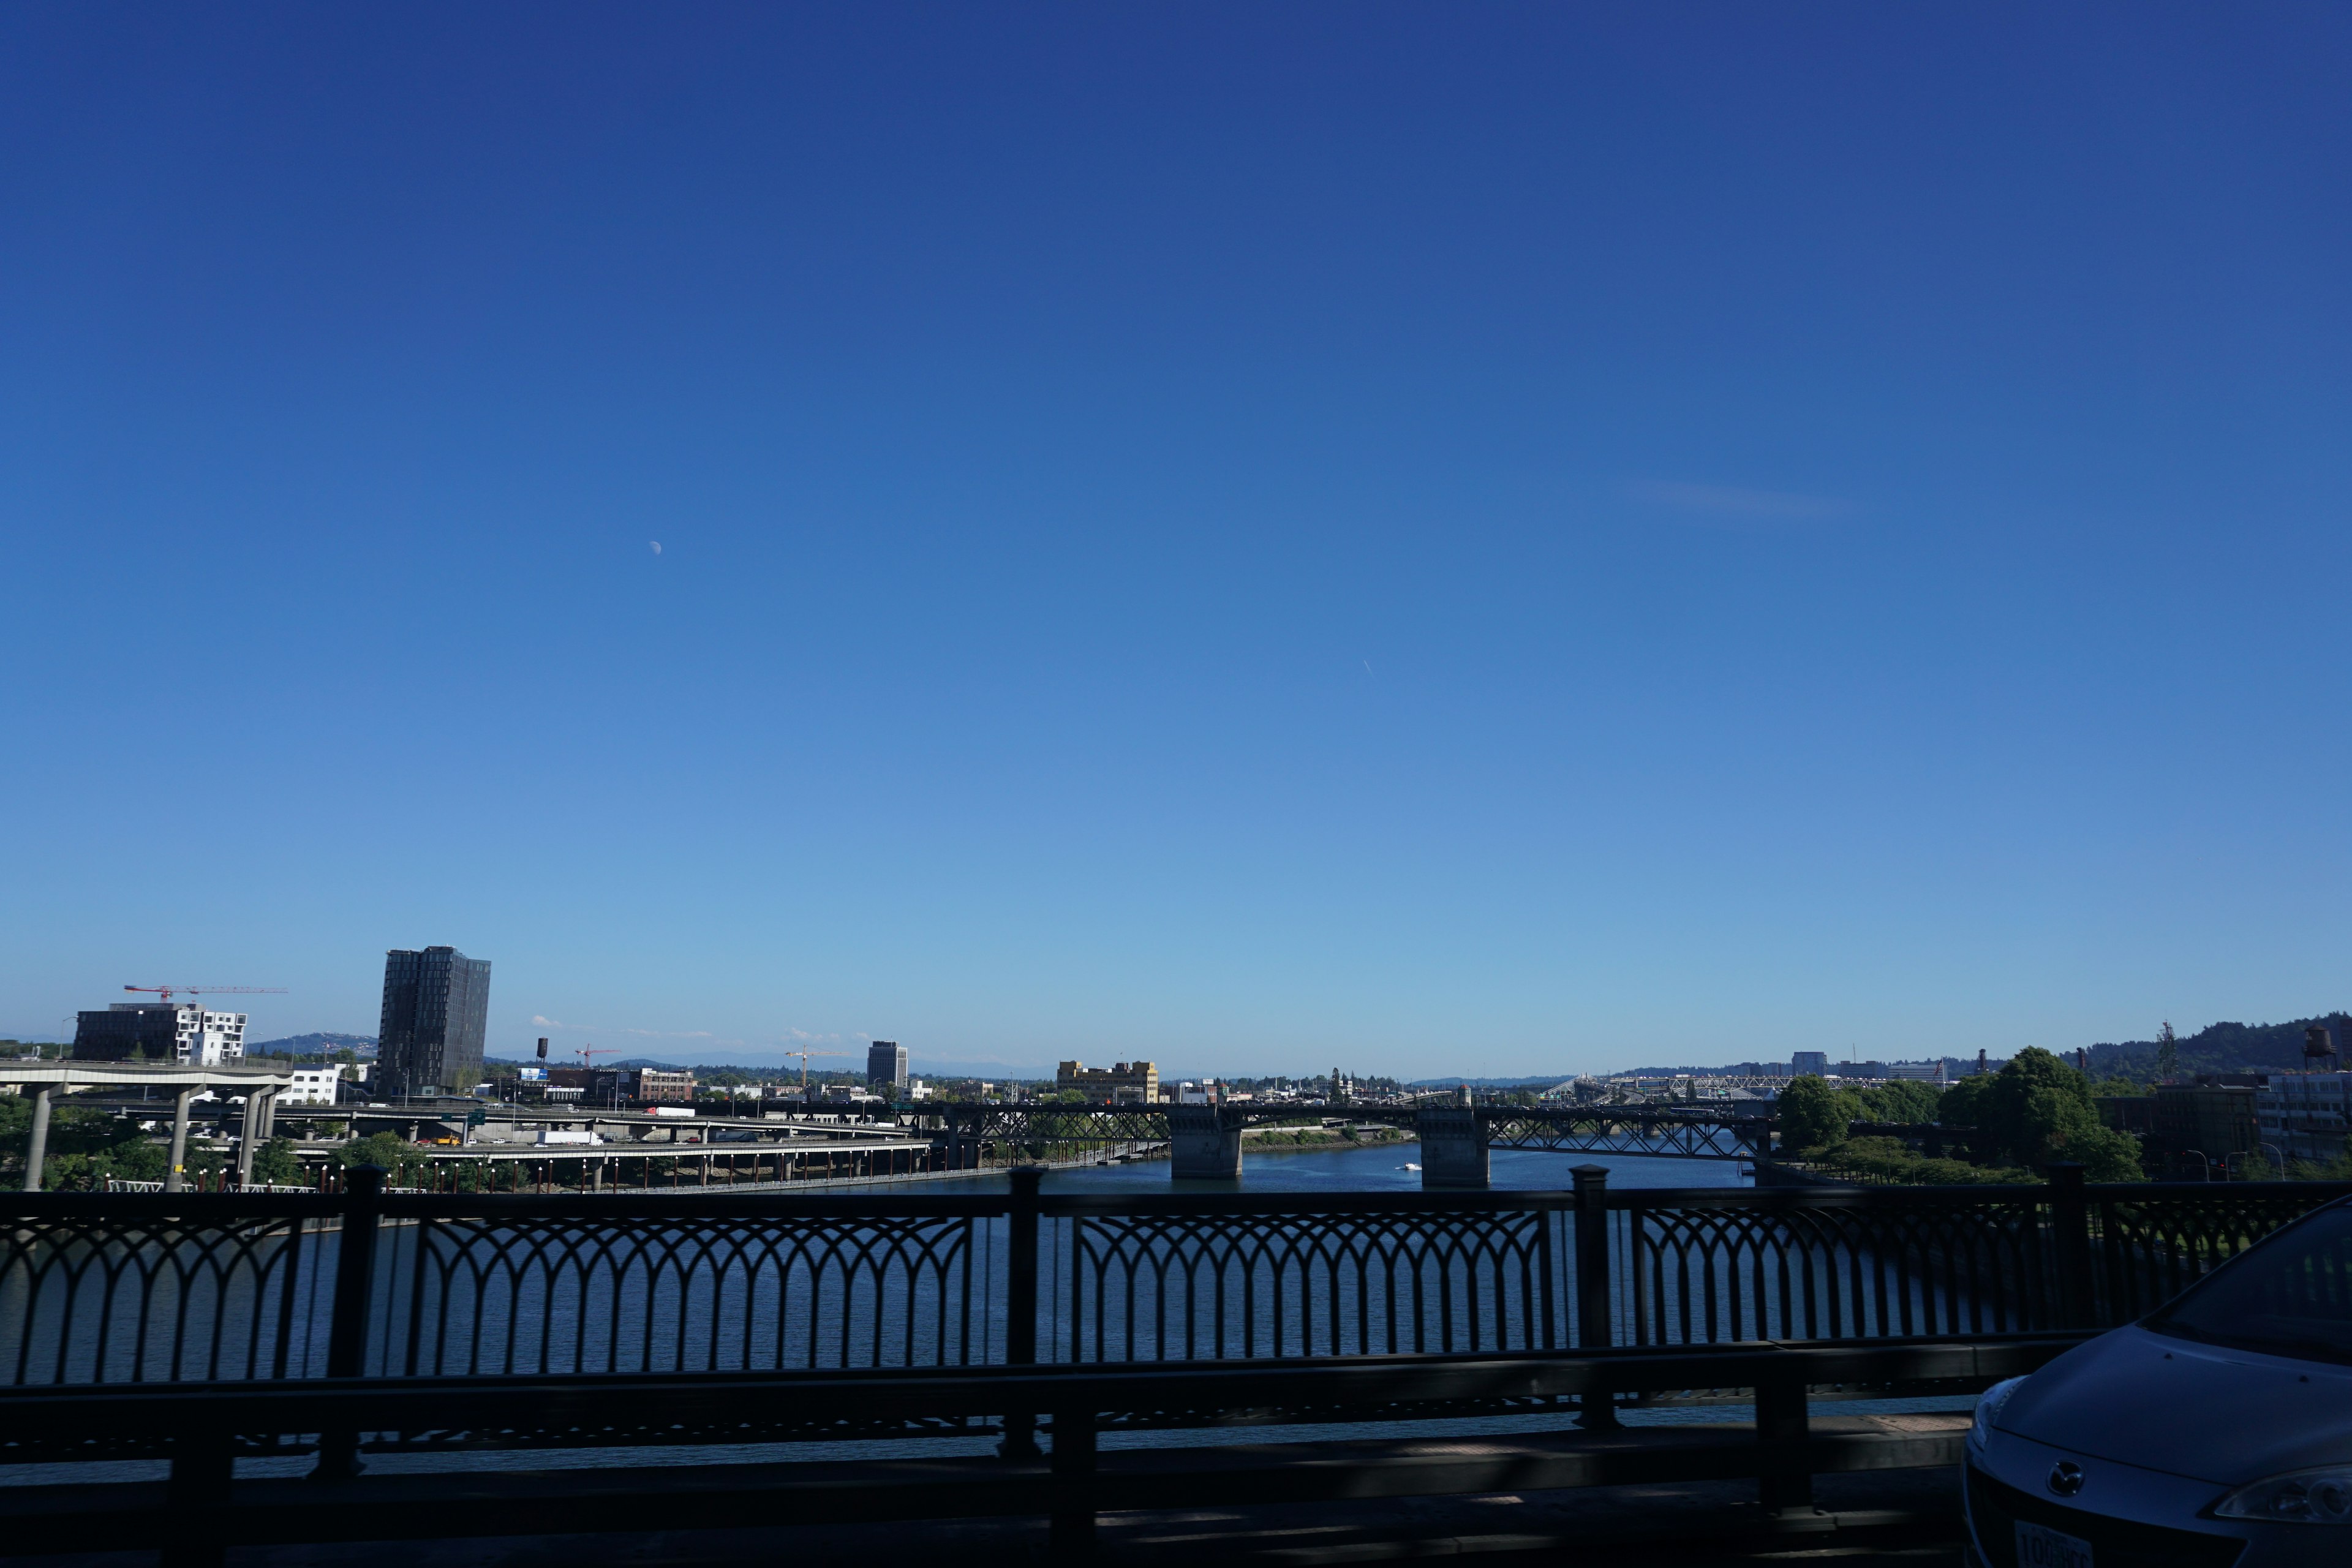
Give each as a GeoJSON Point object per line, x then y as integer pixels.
{"type": "Point", "coordinates": [2039, 1546]}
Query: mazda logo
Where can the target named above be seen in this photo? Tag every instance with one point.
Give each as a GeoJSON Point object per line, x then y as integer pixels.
{"type": "Point", "coordinates": [2065, 1477]}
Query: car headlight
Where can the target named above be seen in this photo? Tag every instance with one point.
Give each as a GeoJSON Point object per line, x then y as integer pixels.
{"type": "Point", "coordinates": [1988, 1407]}
{"type": "Point", "coordinates": [2304, 1497]}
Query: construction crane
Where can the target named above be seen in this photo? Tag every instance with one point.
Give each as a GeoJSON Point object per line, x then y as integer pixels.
{"type": "Point", "coordinates": [804, 1061]}
{"type": "Point", "coordinates": [166, 992]}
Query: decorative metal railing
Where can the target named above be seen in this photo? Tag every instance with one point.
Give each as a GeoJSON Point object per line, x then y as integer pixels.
{"type": "Point", "coordinates": [130, 1287]}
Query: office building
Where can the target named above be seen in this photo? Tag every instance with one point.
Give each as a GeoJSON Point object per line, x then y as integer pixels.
{"type": "Point", "coordinates": [160, 1032]}
{"type": "Point", "coordinates": [436, 1008]}
{"type": "Point", "coordinates": [1916, 1072]}
{"type": "Point", "coordinates": [886, 1063]}
{"type": "Point", "coordinates": [1125, 1081]}
{"type": "Point", "coordinates": [1814, 1062]}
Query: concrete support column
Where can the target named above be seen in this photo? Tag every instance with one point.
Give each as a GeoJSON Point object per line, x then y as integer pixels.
{"type": "Point", "coordinates": [246, 1138]}
{"type": "Point", "coordinates": [1205, 1142]}
{"type": "Point", "coordinates": [173, 1177]}
{"type": "Point", "coordinates": [268, 1114]}
{"type": "Point", "coordinates": [37, 1148]}
{"type": "Point", "coordinates": [1453, 1147]}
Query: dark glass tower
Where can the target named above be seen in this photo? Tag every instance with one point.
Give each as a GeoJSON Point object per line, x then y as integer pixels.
{"type": "Point", "coordinates": [436, 1006]}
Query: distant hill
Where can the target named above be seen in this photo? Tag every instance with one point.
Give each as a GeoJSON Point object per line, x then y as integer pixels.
{"type": "Point", "coordinates": [2225, 1047]}
{"type": "Point", "coordinates": [312, 1046]}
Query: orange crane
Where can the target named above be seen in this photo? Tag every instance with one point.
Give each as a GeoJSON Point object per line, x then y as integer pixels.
{"type": "Point", "coordinates": [804, 1061]}
{"type": "Point", "coordinates": [165, 992]}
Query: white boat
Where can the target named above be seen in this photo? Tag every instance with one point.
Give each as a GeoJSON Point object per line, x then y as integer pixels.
{"type": "Point", "coordinates": [1408, 1167]}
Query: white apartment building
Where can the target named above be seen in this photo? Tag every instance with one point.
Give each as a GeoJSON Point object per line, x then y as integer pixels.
{"type": "Point", "coordinates": [2306, 1115]}
{"type": "Point", "coordinates": [220, 1037]}
{"type": "Point", "coordinates": [312, 1086]}
{"type": "Point", "coordinates": [201, 1038]}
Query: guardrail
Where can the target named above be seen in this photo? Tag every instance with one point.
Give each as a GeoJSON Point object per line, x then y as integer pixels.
{"type": "Point", "coordinates": [203, 1429]}
{"type": "Point", "coordinates": [140, 1287]}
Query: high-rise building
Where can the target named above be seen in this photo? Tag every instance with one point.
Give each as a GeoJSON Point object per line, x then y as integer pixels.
{"type": "Point", "coordinates": [437, 1007]}
{"type": "Point", "coordinates": [1814, 1062]}
{"type": "Point", "coordinates": [886, 1062]}
{"type": "Point", "coordinates": [180, 1033]}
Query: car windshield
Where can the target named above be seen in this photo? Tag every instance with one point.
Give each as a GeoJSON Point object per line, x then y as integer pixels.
{"type": "Point", "coordinates": [2290, 1296]}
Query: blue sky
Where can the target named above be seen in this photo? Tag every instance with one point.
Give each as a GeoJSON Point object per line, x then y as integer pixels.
{"type": "Point", "coordinates": [1432, 539]}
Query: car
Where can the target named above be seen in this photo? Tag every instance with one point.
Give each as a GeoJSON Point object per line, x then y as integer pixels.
{"type": "Point", "coordinates": [2214, 1433]}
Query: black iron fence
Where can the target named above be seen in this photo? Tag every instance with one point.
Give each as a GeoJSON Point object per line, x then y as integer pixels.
{"type": "Point", "coordinates": [102, 1289]}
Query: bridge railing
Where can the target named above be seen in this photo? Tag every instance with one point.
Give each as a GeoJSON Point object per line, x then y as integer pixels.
{"type": "Point", "coordinates": [102, 1289]}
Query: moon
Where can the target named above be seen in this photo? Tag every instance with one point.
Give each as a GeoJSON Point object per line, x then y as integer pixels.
{"type": "Point", "coordinates": [657, 544]}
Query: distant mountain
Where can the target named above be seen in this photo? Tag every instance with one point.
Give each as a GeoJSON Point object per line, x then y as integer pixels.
{"type": "Point", "coordinates": [312, 1046]}
{"type": "Point", "coordinates": [2225, 1047]}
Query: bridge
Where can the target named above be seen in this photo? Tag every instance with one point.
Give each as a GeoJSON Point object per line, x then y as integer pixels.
{"type": "Point", "coordinates": [1206, 1140]}
{"type": "Point", "coordinates": [329, 1329]}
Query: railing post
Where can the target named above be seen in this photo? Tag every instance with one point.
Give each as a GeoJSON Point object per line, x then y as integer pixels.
{"type": "Point", "coordinates": [1072, 1537]}
{"type": "Point", "coordinates": [204, 1468]}
{"type": "Point", "coordinates": [1783, 1430]}
{"type": "Point", "coordinates": [2070, 1223]}
{"type": "Point", "coordinates": [1021, 1305]}
{"type": "Point", "coordinates": [353, 1307]}
{"type": "Point", "coordinates": [1593, 1330]}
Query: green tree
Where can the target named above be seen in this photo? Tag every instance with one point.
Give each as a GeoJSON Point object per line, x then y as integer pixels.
{"type": "Point", "coordinates": [2168, 1054]}
{"type": "Point", "coordinates": [388, 1150]}
{"type": "Point", "coordinates": [1813, 1115]}
{"type": "Point", "coordinates": [275, 1165]}
{"type": "Point", "coordinates": [1963, 1102]}
{"type": "Point", "coordinates": [1902, 1101]}
{"type": "Point", "coordinates": [2038, 1110]}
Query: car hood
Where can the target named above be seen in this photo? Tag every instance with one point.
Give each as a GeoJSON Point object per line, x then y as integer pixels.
{"type": "Point", "coordinates": [2223, 1416]}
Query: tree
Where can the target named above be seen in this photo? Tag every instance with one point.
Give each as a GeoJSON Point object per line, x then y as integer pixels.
{"type": "Point", "coordinates": [275, 1164]}
{"type": "Point", "coordinates": [2038, 1110]}
{"type": "Point", "coordinates": [1813, 1115]}
{"type": "Point", "coordinates": [2168, 1054]}
{"type": "Point", "coordinates": [387, 1149]}
{"type": "Point", "coordinates": [1902, 1100]}
{"type": "Point", "coordinates": [1963, 1102]}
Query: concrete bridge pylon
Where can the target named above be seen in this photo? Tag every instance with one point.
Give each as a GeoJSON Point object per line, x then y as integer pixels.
{"type": "Point", "coordinates": [1205, 1142]}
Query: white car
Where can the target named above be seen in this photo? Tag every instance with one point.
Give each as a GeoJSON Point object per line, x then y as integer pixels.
{"type": "Point", "coordinates": [2216, 1433]}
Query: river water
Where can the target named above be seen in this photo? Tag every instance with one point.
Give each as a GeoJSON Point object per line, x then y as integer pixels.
{"type": "Point", "coordinates": [1392, 1168]}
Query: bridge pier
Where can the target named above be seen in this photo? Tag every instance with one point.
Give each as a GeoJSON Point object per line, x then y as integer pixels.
{"type": "Point", "coordinates": [1453, 1147]}
{"type": "Point", "coordinates": [1205, 1143]}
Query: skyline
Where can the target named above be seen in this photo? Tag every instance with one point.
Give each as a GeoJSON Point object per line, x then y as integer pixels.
{"type": "Point", "coordinates": [1531, 538]}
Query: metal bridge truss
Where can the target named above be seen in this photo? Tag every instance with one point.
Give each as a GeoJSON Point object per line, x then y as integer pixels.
{"type": "Point", "coordinates": [1683, 1133]}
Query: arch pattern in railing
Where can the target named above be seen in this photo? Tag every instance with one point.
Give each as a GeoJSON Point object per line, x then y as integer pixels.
{"type": "Point", "coordinates": [622, 1292]}
{"type": "Point", "coordinates": [1179, 1287]}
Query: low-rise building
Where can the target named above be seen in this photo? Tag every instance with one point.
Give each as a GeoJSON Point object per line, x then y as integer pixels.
{"type": "Point", "coordinates": [312, 1086]}
{"type": "Point", "coordinates": [1122, 1082]}
{"type": "Point", "coordinates": [607, 1085]}
{"type": "Point", "coordinates": [181, 1032]}
{"type": "Point", "coordinates": [2306, 1115]}
{"type": "Point", "coordinates": [2216, 1121]}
